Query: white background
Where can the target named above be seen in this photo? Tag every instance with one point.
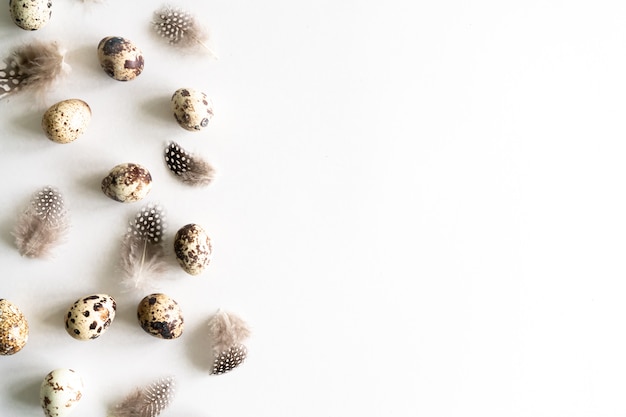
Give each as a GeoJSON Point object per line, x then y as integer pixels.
{"type": "Point", "coordinates": [420, 208]}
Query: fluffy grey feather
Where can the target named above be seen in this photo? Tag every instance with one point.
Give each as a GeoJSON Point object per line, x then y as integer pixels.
{"type": "Point", "coordinates": [35, 66]}
{"type": "Point", "coordinates": [43, 225]}
{"type": "Point", "coordinates": [143, 253]}
{"type": "Point", "coordinates": [190, 169]}
{"type": "Point", "coordinates": [180, 29]}
{"type": "Point", "coordinates": [227, 330]}
{"type": "Point", "coordinates": [147, 402]}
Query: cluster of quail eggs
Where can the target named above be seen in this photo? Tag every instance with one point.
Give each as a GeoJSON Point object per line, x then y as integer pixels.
{"type": "Point", "coordinates": [67, 120]}
{"type": "Point", "coordinates": [91, 316]}
{"type": "Point", "coordinates": [87, 318]}
{"type": "Point", "coordinates": [129, 182]}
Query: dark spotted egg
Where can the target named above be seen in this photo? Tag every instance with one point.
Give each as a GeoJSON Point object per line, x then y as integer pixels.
{"type": "Point", "coordinates": [192, 109]}
{"type": "Point", "coordinates": [90, 316]}
{"type": "Point", "coordinates": [160, 316]}
{"type": "Point", "coordinates": [127, 183]}
{"type": "Point", "coordinates": [193, 249]}
{"type": "Point", "coordinates": [120, 58]}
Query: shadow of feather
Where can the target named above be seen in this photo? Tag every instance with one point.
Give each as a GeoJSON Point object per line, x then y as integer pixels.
{"type": "Point", "coordinates": [6, 236]}
{"type": "Point", "coordinates": [199, 347]}
{"type": "Point", "coordinates": [109, 277]}
{"type": "Point", "coordinates": [7, 226]}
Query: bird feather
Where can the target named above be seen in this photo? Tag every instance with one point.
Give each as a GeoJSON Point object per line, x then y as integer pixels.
{"type": "Point", "coordinates": [34, 66]}
{"type": "Point", "coordinates": [149, 401]}
{"type": "Point", "coordinates": [180, 29]}
{"type": "Point", "coordinates": [227, 330]}
{"type": "Point", "coordinates": [143, 253]}
{"type": "Point", "coordinates": [43, 225]}
{"type": "Point", "coordinates": [229, 359]}
{"type": "Point", "coordinates": [190, 169]}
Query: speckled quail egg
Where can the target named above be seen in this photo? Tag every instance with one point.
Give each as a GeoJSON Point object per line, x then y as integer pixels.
{"type": "Point", "coordinates": [192, 246]}
{"type": "Point", "coordinates": [192, 109]}
{"type": "Point", "coordinates": [120, 58]}
{"type": "Point", "coordinates": [160, 316]}
{"type": "Point", "coordinates": [90, 316]}
{"type": "Point", "coordinates": [30, 14]}
{"type": "Point", "coordinates": [13, 328]}
{"type": "Point", "coordinates": [66, 120]}
{"type": "Point", "coordinates": [60, 392]}
{"type": "Point", "coordinates": [127, 183]}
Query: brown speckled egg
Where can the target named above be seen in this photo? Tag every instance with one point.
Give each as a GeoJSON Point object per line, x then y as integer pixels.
{"type": "Point", "coordinates": [90, 316]}
{"type": "Point", "coordinates": [66, 120]}
{"type": "Point", "coordinates": [193, 249]}
{"type": "Point", "coordinates": [127, 183]}
{"type": "Point", "coordinates": [192, 109]}
{"type": "Point", "coordinates": [160, 316]}
{"type": "Point", "coordinates": [30, 14]}
{"type": "Point", "coordinates": [13, 328]}
{"type": "Point", "coordinates": [60, 392]}
{"type": "Point", "coordinates": [120, 58]}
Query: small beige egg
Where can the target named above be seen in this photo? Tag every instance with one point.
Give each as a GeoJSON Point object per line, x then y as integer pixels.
{"type": "Point", "coordinates": [30, 14]}
{"type": "Point", "coordinates": [192, 109]}
{"type": "Point", "coordinates": [120, 58]}
{"type": "Point", "coordinates": [90, 316]}
{"type": "Point", "coordinates": [13, 328]}
{"type": "Point", "coordinates": [127, 183]}
{"type": "Point", "coordinates": [192, 246]}
{"type": "Point", "coordinates": [66, 120]}
{"type": "Point", "coordinates": [160, 316]}
{"type": "Point", "coordinates": [60, 392]}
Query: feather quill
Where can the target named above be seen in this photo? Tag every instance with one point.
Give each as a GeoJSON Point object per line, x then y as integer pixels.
{"type": "Point", "coordinates": [43, 225]}
{"type": "Point", "coordinates": [227, 332]}
{"type": "Point", "coordinates": [143, 253]}
{"type": "Point", "coordinates": [147, 402]}
{"type": "Point", "coordinates": [35, 66]}
{"type": "Point", "coordinates": [180, 29]}
{"type": "Point", "coordinates": [190, 169]}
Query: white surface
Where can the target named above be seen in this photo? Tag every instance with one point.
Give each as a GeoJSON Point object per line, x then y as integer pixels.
{"type": "Point", "coordinates": [420, 208]}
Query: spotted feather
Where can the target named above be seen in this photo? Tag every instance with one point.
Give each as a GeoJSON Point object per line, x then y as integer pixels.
{"type": "Point", "coordinates": [229, 359]}
{"type": "Point", "coordinates": [10, 77]}
{"type": "Point", "coordinates": [43, 225]}
{"type": "Point", "coordinates": [35, 66]}
{"type": "Point", "coordinates": [190, 169]}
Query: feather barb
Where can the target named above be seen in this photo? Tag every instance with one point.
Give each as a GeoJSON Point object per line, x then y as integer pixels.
{"type": "Point", "coordinates": [180, 29]}
{"type": "Point", "coordinates": [43, 225]}
{"type": "Point", "coordinates": [34, 66]}
{"type": "Point", "coordinates": [147, 402]}
{"type": "Point", "coordinates": [188, 168]}
{"type": "Point", "coordinates": [227, 332]}
{"type": "Point", "coordinates": [143, 253]}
